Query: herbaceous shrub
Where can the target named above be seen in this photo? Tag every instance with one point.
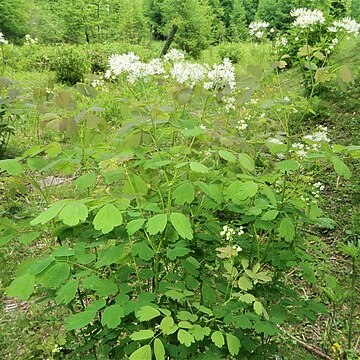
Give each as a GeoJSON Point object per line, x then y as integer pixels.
{"type": "Point", "coordinates": [70, 65]}
{"type": "Point", "coordinates": [182, 227]}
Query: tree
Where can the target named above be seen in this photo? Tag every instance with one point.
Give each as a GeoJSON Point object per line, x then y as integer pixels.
{"type": "Point", "coordinates": [15, 19]}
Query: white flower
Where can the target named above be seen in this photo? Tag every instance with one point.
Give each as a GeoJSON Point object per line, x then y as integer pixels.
{"type": "Point", "coordinates": [174, 55]}
{"type": "Point", "coordinates": [2, 39]}
{"type": "Point", "coordinates": [306, 18]}
{"type": "Point", "coordinates": [188, 73]}
{"type": "Point", "coordinates": [281, 41]}
{"type": "Point", "coordinates": [321, 134]}
{"type": "Point", "coordinates": [257, 28]}
{"type": "Point", "coordinates": [350, 26]}
{"type": "Point", "coordinates": [229, 103]}
{"type": "Point", "coordinates": [221, 75]}
{"type": "Point", "coordinates": [241, 125]}
{"type": "Point", "coordinates": [29, 40]}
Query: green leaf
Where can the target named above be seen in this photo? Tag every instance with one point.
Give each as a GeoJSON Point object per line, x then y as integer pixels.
{"type": "Point", "coordinates": [63, 251]}
{"type": "Point", "coordinates": [182, 225]}
{"type": "Point", "coordinates": [107, 218]}
{"type": "Point", "coordinates": [168, 326]}
{"type": "Point", "coordinates": [22, 287]}
{"type": "Point", "coordinates": [346, 74]}
{"type": "Point", "coordinates": [11, 166]}
{"type": "Point", "coordinates": [103, 287]}
{"type": "Point", "coordinates": [266, 327]}
{"type": "Point", "coordinates": [64, 100]}
{"type": "Point", "coordinates": [79, 320]}
{"type": "Point", "coordinates": [159, 350]}
{"type": "Point", "coordinates": [176, 252]}
{"type": "Point", "coordinates": [146, 313]}
{"type": "Point", "coordinates": [246, 162]}
{"type": "Point", "coordinates": [49, 213]}
{"type": "Point", "coordinates": [67, 292]}
{"type": "Point", "coordinates": [6, 236]}
{"type": "Point", "coordinates": [287, 229]}
{"type": "Point", "coordinates": [244, 283]}
{"type": "Point", "coordinates": [185, 338]}
{"type": "Point", "coordinates": [227, 155]}
{"type": "Point", "coordinates": [142, 335]}
{"type": "Point", "coordinates": [218, 339]}
{"type": "Point", "coordinates": [174, 294]}
{"type": "Point", "coordinates": [239, 191]}
{"type": "Point", "coordinates": [143, 250]}
{"type": "Point", "coordinates": [71, 214]}
{"type": "Point", "coordinates": [200, 332]}
{"type": "Point", "coordinates": [28, 238]}
{"type": "Point", "coordinates": [135, 185]}
{"type": "Point", "coordinates": [156, 224]}
{"type": "Point", "coordinates": [233, 344]}
{"type": "Point", "coordinates": [143, 353]}
{"type": "Point", "coordinates": [111, 255]}
{"type": "Point", "coordinates": [55, 275]}
{"type": "Point", "coordinates": [270, 215]}
{"type": "Point", "coordinates": [86, 90]}
{"type": "Point", "coordinates": [134, 225]}
{"type": "Point", "coordinates": [111, 316]}
{"type": "Point", "coordinates": [258, 307]}
{"type": "Point", "coordinates": [184, 194]}
{"type": "Point", "coordinates": [340, 167]}
{"type": "Point", "coordinates": [198, 167]}
{"type": "Point", "coordinates": [86, 181]}
{"type": "Point", "coordinates": [287, 165]}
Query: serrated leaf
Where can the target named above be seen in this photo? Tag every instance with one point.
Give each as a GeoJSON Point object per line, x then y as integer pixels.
{"type": "Point", "coordinates": [200, 332]}
{"type": "Point", "coordinates": [346, 74]}
{"type": "Point", "coordinates": [86, 90]}
{"type": "Point", "coordinates": [287, 165]}
{"type": "Point", "coordinates": [28, 238]}
{"type": "Point", "coordinates": [49, 213]}
{"type": "Point", "coordinates": [71, 214]}
{"type": "Point", "coordinates": [233, 344]}
{"type": "Point", "coordinates": [198, 167]}
{"type": "Point", "coordinates": [79, 320]}
{"type": "Point", "coordinates": [135, 185]}
{"type": "Point", "coordinates": [185, 338]}
{"type": "Point", "coordinates": [146, 313]}
{"type": "Point", "coordinates": [142, 335]}
{"type": "Point", "coordinates": [143, 353]}
{"type": "Point", "coordinates": [22, 287]}
{"type": "Point", "coordinates": [182, 225]}
{"type": "Point", "coordinates": [86, 181]}
{"type": "Point", "coordinates": [227, 155]}
{"type": "Point", "coordinates": [143, 250]}
{"type": "Point", "coordinates": [111, 255]}
{"type": "Point", "coordinates": [246, 162]}
{"type": "Point", "coordinates": [176, 252]}
{"type": "Point", "coordinates": [258, 307]}
{"type": "Point", "coordinates": [55, 275]}
{"type": "Point", "coordinates": [159, 350]}
{"type": "Point", "coordinates": [287, 229]}
{"type": "Point", "coordinates": [167, 325]}
{"type": "Point", "coordinates": [340, 167]}
{"type": "Point", "coordinates": [11, 166]}
{"type": "Point", "coordinates": [67, 292]}
{"type": "Point", "coordinates": [244, 283]}
{"type": "Point", "coordinates": [134, 225]}
{"type": "Point", "coordinates": [239, 191]}
{"type": "Point", "coordinates": [218, 339]}
{"type": "Point", "coordinates": [107, 218]}
{"type": "Point", "coordinates": [103, 287]}
{"type": "Point", "coordinates": [111, 316]}
{"type": "Point", "coordinates": [270, 215]}
{"type": "Point", "coordinates": [156, 224]}
{"type": "Point", "coordinates": [266, 327]}
{"type": "Point", "coordinates": [174, 294]}
{"type": "Point", "coordinates": [184, 194]}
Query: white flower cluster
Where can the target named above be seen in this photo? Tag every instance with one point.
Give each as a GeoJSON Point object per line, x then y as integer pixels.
{"type": "Point", "coordinates": [299, 149]}
{"type": "Point", "coordinates": [188, 73]}
{"type": "Point", "coordinates": [221, 75]}
{"type": "Point", "coordinates": [321, 134]}
{"type": "Point", "coordinates": [241, 125]}
{"type": "Point", "coordinates": [281, 41]}
{"type": "Point", "coordinates": [228, 232]}
{"type": "Point", "coordinates": [29, 40]}
{"type": "Point", "coordinates": [175, 67]}
{"type": "Point", "coordinates": [3, 41]}
{"type": "Point", "coordinates": [350, 26]}
{"type": "Point", "coordinates": [174, 55]}
{"type": "Point", "coordinates": [258, 29]}
{"type": "Point", "coordinates": [317, 188]}
{"type": "Point", "coordinates": [306, 18]}
{"type": "Point", "coordinates": [131, 65]}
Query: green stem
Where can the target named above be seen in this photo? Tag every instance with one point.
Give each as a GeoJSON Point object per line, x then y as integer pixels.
{"type": "Point", "coordinates": [352, 303]}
